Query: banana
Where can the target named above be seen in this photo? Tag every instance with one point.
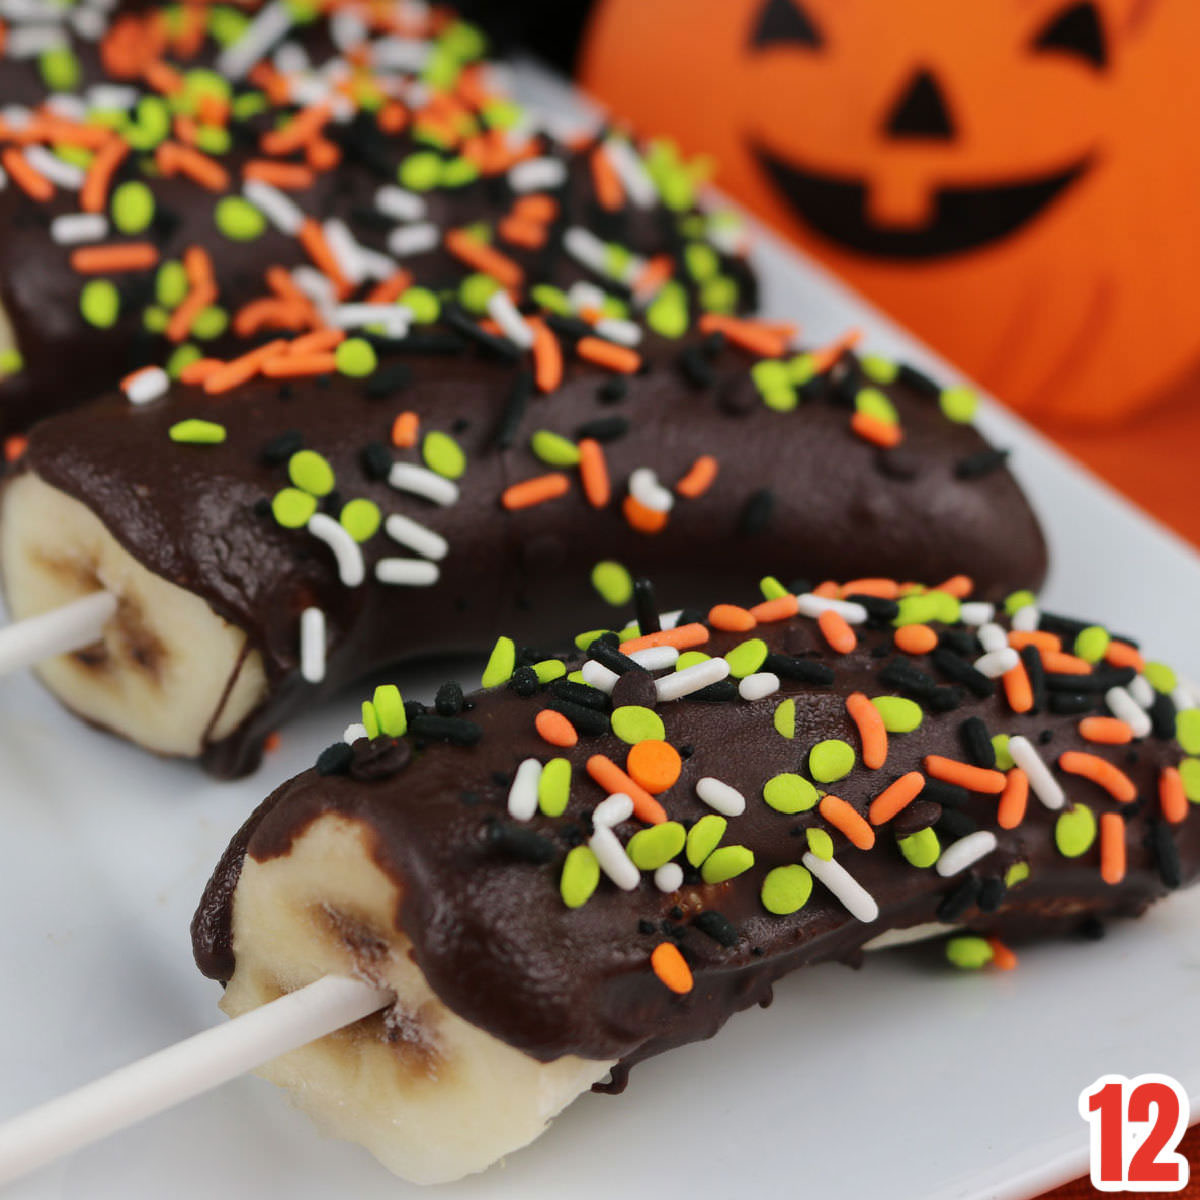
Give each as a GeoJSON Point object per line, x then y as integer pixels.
{"type": "Point", "coordinates": [431, 1096]}
{"type": "Point", "coordinates": [168, 674]}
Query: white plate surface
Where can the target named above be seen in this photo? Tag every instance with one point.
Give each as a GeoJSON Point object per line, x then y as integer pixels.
{"type": "Point", "coordinates": [898, 1080]}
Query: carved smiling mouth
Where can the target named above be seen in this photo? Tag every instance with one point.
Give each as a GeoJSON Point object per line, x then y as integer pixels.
{"type": "Point", "coordinates": [964, 218]}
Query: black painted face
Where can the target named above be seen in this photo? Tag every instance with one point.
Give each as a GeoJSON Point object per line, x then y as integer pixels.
{"type": "Point", "coordinates": [962, 217]}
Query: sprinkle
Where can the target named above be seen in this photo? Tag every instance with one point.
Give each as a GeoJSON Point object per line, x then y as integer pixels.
{"type": "Point", "coordinates": [1043, 784]}
{"type": "Point", "coordinates": [312, 645]}
{"type": "Point", "coordinates": [71, 228]}
{"type": "Point", "coordinates": [554, 786]}
{"type": "Point", "coordinates": [692, 679]}
{"type": "Point", "coordinates": [523, 794]}
{"type": "Point", "coordinates": [633, 723]}
{"type": "Point", "coordinates": [789, 793]}
{"type": "Point", "coordinates": [593, 473]}
{"type": "Point", "coordinates": [876, 430]}
{"type": "Point", "coordinates": [1091, 643]}
{"type": "Point", "coordinates": [726, 800]}
{"type": "Point", "coordinates": [786, 889]}
{"type": "Point", "coordinates": [857, 901]}
{"type": "Point", "coordinates": [669, 877]}
{"type": "Point", "coordinates": [599, 676]}
{"type": "Point", "coordinates": [969, 953]}
{"type": "Point", "coordinates": [654, 764]}
{"type": "Point", "coordinates": [1013, 800]}
{"type": "Point", "coordinates": [848, 821]}
{"type": "Point", "coordinates": [681, 637]}
{"type": "Point", "coordinates": [406, 572]}
{"type": "Point", "coordinates": [745, 658]}
{"type": "Point", "coordinates": [958, 404]}
{"type": "Point", "coordinates": [501, 663]}
{"type": "Point", "coordinates": [146, 385]}
{"type": "Point", "coordinates": [915, 639]}
{"type": "Point", "coordinates": [1122, 705]}
{"type": "Point", "coordinates": [669, 965]}
{"type": "Point", "coordinates": [1142, 691]}
{"type": "Point", "coordinates": [725, 863]}
{"type": "Point", "coordinates": [351, 568]}
{"type": "Point", "coordinates": [831, 760]}
{"type": "Point", "coordinates": [871, 729]}
{"type": "Point", "coordinates": [268, 26]}
{"type": "Point", "coordinates": [699, 477]}
{"type": "Point", "coordinates": [531, 492]}
{"type": "Point", "coordinates": [974, 779]}
{"type": "Point", "coordinates": [537, 175]}
{"type": "Point", "coordinates": [1172, 796]}
{"type": "Point", "coordinates": [416, 536]}
{"type": "Point", "coordinates": [612, 779]}
{"type": "Point", "coordinates": [580, 876]}
{"type": "Point", "coordinates": [408, 477]}
{"type": "Point", "coordinates": [482, 257]}
{"type": "Point", "coordinates": [1026, 619]}
{"type": "Point", "coordinates": [407, 241]}
{"type": "Point", "coordinates": [896, 797]}
{"type": "Point", "coordinates": [1099, 771]}
{"type": "Point", "coordinates": [292, 508]}
{"type": "Point", "coordinates": [613, 810]}
{"type": "Point", "coordinates": [1187, 729]}
{"type": "Point", "coordinates": [1112, 848]}
{"type": "Point", "coordinates": [965, 852]}
{"type": "Point", "coordinates": [1106, 731]}
{"type": "Point", "coordinates": [613, 583]}
{"type": "Point", "coordinates": [837, 632]}
{"type": "Point", "coordinates": [811, 605]}
{"type": "Point", "coordinates": [197, 432]}
{"type": "Point", "coordinates": [991, 637]}
{"type": "Point", "coordinates": [547, 358]}
{"type": "Point", "coordinates": [1075, 831]}
{"type": "Point", "coordinates": [920, 849]}
{"type": "Point", "coordinates": [554, 449]}
{"type": "Point", "coordinates": [656, 658]}
{"type": "Point", "coordinates": [390, 713]}
{"type": "Point", "coordinates": [1006, 663]}
{"type": "Point", "coordinates": [311, 472]}
{"type": "Point", "coordinates": [613, 860]}
{"type": "Point", "coordinates": [899, 714]}
{"type": "Point", "coordinates": [758, 686]}
{"type": "Point", "coordinates": [605, 354]}
{"type": "Point", "coordinates": [784, 718]}
{"type": "Point", "coordinates": [655, 847]}
{"type": "Point", "coordinates": [114, 259]}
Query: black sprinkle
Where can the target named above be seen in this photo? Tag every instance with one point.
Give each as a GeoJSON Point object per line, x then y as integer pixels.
{"type": "Point", "coordinates": [387, 379]}
{"type": "Point", "coordinates": [805, 670]}
{"type": "Point", "coordinates": [518, 842]}
{"type": "Point", "coordinates": [279, 449]}
{"type": "Point", "coordinates": [961, 641]}
{"type": "Point", "coordinates": [897, 464]}
{"type": "Point", "coordinates": [465, 324]}
{"type": "Point", "coordinates": [717, 927]}
{"type": "Point", "coordinates": [944, 699]}
{"type": "Point", "coordinates": [983, 462]}
{"type": "Point", "coordinates": [604, 429]}
{"type": "Point", "coordinates": [645, 608]}
{"type": "Point", "coordinates": [524, 681]}
{"type": "Point", "coordinates": [878, 608]}
{"type": "Point", "coordinates": [696, 368]}
{"type": "Point", "coordinates": [443, 342]}
{"type": "Point", "coordinates": [1032, 661]}
{"type": "Point", "coordinates": [1092, 928]}
{"type": "Point", "coordinates": [958, 670]}
{"type": "Point", "coordinates": [991, 894]}
{"type": "Point", "coordinates": [413, 708]}
{"type": "Point", "coordinates": [949, 795]}
{"type": "Point", "coordinates": [955, 825]}
{"type": "Point", "coordinates": [959, 901]}
{"type": "Point", "coordinates": [757, 512]}
{"type": "Point", "coordinates": [1166, 854]}
{"type": "Point", "coordinates": [572, 328]}
{"type": "Point", "coordinates": [514, 410]}
{"type": "Point", "coordinates": [724, 689]}
{"type": "Point", "coordinates": [917, 380]}
{"type": "Point", "coordinates": [456, 730]}
{"type": "Point", "coordinates": [261, 508]}
{"type": "Point", "coordinates": [977, 742]}
{"type": "Point", "coordinates": [1162, 717]}
{"type": "Point", "coordinates": [613, 391]}
{"type": "Point", "coordinates": [918, 815]}
{"type": "Point", "coordinates": [376, 460]}
{"type": "Point", "coordinates": [1070, 703]}
{"type": "Point", "coordinates": [449, 700]}
{"type": "Point", "coordinates": [646, 927]}
{"type": "Point", "coordinates": [904, 677]}
{"type": "Point", "coordinates": [1045, 737]}
{"type": "Point", "coordinates": [1067, 627]}
{"type": "Point", "coordinates": [587, 721]}
{"type": "Point", "coordinates": [335, 759]}
{"type": "Point", "coordinates": [609, 656]}
{"type": "Point", "coordinates": [580, 693]}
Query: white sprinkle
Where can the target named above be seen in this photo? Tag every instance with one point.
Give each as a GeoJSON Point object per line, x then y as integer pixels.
{"type": "Point", "coordinates": [997, 662]}
{"type": "Point", "coordinates": [353, 733]}
{"type": "Point", "coordinates": [1182, 697]}
{"type": "Point", "coordinates": [858, 902]}
{"type": "Point", "coordinates": [393, 317]}
{"type": "Point", "coordinates": [599, 676]}
{"type": "Point", "coordinates": [376, 265]}
{"type": "Point", "coordinates": [64, 104]}
{"type": "Point", "coordinates": [65, 174]}
{"type": "Point", "coordinates": [1027, 619]}
{"type": "Point", "coordinates": [991, 637]}
{"type": "Point", "coordinates": [721, 797]}
{"type": "Point", "coordinates": [406, 572]}
{"type": "Point", "coordinates": [345, 249]}
{"type": "Point", "coordinates": [408, 477]}
{"type": "Point", "coordinates": [537, 174]}
{"type": "Point", "coordinates": [312, 645]}
{"type": "Point", "coordinates": [416, 536]}
{"type": "Point", "coordinates": [347, 30]}
{"type": "Point", "coordinates": [1042, 783]}
{"type": "Point", "coordinates": [111, 95]}
{"type": "Point", "coordinates": [691, 679]}
{"type": "Point", "coordinates": [639, 187]}
{"type": "Point", "coordinates": [399, 204]}
{"type": "Point", "coordinates": [270, 24]}
{"type": "Point", "coordinates": [612, 810]}
{"type": "Point", "coordinates": [669, 620]}
{"type": "Point", "coordinates": [958, 856]}
{"type": "Point", "coordinates": [277, 207]}
{"type": "Point", "coordinates": [146, 385]}
{"type": "Point", "coordinates": [624, 333]}
{"type": "Point", "coordinates": [400, 54]}
{"type": "Point", "coordinates": [669, 877]}
{"type": "Point", "coordinates": [977, 612]}
{"type": "Point", "coordinates": [1142, 691]}
{"type": "Point", "coordinates": [1122, 704]}
{"type": "Point", "coordinates": [585, 294]}
{"type": "Point", "coordinates": [613, 860]}
{"type": "Point", "coordinates": [585, 247]}
{"type": "Point", "coordinates": [15, 116]}
{"type": "Point", "coordinates": [758, 686]}
{"type": "Point", "coordinates": [647, 491]}
{"type": "Point", "coordinates": [414, 239]}
{"type": "Point", "coordinates": [308, 90]}
{"type": "Point", "coordinates": [656, 658]}
{"type": "Point", "coordinates": [318, 287]}
{"type": "Point", "coordinates": [809, 605]}
{"type": "Point", "coordinates": [28, 41]}
{"type": "Point", "coordinates": [523, 795]}
{"type": "Point", "coordinates": [346, 550]}
{"type": "Point", "coordinates": [514, 326]}
{"type": "Point", "coordinates": [73, 228]}
{"type": "Point", "coordinates": [88, 24]}
{"type": "Point", "coordinates": [292, 59]}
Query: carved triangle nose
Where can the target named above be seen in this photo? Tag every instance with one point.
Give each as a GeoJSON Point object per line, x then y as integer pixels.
{"type": "Point", "coordinates": [921, 111]}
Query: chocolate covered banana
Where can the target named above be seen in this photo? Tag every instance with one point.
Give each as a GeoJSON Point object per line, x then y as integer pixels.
{"type": "Point", "coordinates": [596, 860]}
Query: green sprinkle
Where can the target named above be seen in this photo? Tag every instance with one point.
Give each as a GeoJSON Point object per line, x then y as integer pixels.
{"type": "Point", "coordinates": [781, 399]}
{"type": "Point", "coordinates": [502, 113]}
{"type": "Point", "coordinates": [59, 68]}
{"type": "Point", "coordinates": [153, 123]}
{"type": "Point", "coordinates": [553, 299]}
{"type": "Point", "coordinates": [370, 720]}
{"type": "Point", "coordinates": [10, 361]}
{"type": "Point", "coordinates": [171, 284]}
{"type": "Point", "coordinates": [1189, 773]}
{"type": "Point", "coordinates": [655, 847]}
{"type": "Point", "coordinates": [719, 295]}
{"type": "Point", "coordinates": [155, 319]}
{"type": "Point", "coordinates": [181, 357]}
{"type": "Point", "coordinates": [923, 607]}
{"type": "Point", "coordinates": [476, 290]}
{"type": "Point", "coordinates": [226, 24]}
{"type": "Point", "coordinates": [311, 472]}
{"type": "Point", "coordinates": [820, 843]}
{"type": "Point", "coordinates": [424, 305]}
{"type": "Point", "coordinates": [968, 953]}
{"type": "Point", "coordinates": [420, 171]}
{"type": "Point", "coordinates": [726, 863]}
{"type": "Point", "coordinates": [554, 449]}
{"type": "Point", "coordinates": [443, 454]}
{"type": "Point", "coordinates": [360, 518]}
{"type": "Point", "coordinates": [785, 718]}
{"type": "Point", "coordinates": [1161, 677]}
{"type": "Point", "coordinates": [213, 139]}
{"type": "Point", "coordinates": [292, 508]}
{"type": "Point", "coordinates": [1091, 643]}
{"type": "Point", "coordinates": [801, 368]}
{"type": "Point", "coordinates": [1187, 729]}
{"type": "Point", "coordinates": [831, 760]}
{"type": "Point", "coordinates": [197, 432]}
{"type": "Point", "coordinates": [132, 207]}
{"type": "Point", "coordinates": [355, 357]}
{"type": "Point", "coordinates": [459, 172]}
{"type": "Point", "coordinates": [304, 12]}
{"type": "Point", "coordinates": [549, 669]}
{"type": "Point", "coordinates": [613, 582]}
{"type": "Point", "coordinates": [389, 708]}
{"type": "Point", "coordinates": [100, 303]}
{"type": "Point", "coordinates": [580, 877]}
{"type": "Point", "coordinates": [668, 314]}
{"type": "Point", "coordinates": [872, 402]}
{"type": "Point", "coordinates": [879, 369]}
{"type": "Point", "coordinates": [702, 261]}
{"type": "Point", "coordinates": [238, 219]}
{"type": "Point", "coordinates": [704, 837]}
{"type": "Point", "coordinates": [210, 323]}
{"type": "Point", "coordinates": [1075, 831]}
{"type": "Point", "coordinates": [771, 588]}
{"type": "Point", "coordinates": [789, 793]}
{"type": "Point", "coordinates": [200, 83]}
{"type": "Point", "coordinates": [958, 404]}
{"type": "Point", "coordinates": [1017, 873]}
{"type": "Point", "coordinates": [1004, 758]}
{"type": "Point", "coordinates": [577, 677]}
{"type": "Point", "coordinates": [1017, 601]}
{"type": "Point", "coordinates": [617, 259]}
{"type": "Point", "coordinates": [770, 374]}
{"type": "Point", "coordinates": [501, 663]}
{"type": "Point", "coordinates": [632, 724]}
{"type": "Point", "coordinates": [899, 715]}
{"type": "Point", "coordinates": [630, 631]}
{"type": "Point", "coordinates": [786, 890]}
{"type": "Point", "coordinates": [745, 659]}
{"type": "Point", "coordinates": [554, 787]}
{"type": "Point", "coordinates": [585, 639]}
{"type": "Point", "coordinates": [921, 849]}
{"type": "Point", "coordinates": [689, 658]}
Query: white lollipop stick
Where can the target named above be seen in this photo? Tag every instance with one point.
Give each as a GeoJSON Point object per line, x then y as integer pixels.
{"type": "Point", "coordinates": [59, 631]}
{"type": "Point", "coordinates": [161, 1080]}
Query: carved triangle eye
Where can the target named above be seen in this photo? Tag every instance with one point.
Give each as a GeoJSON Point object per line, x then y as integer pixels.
{"type": "Point", "coordinates": [1075, 30]}
{"type": "Point", "coordinates": [784, 22]}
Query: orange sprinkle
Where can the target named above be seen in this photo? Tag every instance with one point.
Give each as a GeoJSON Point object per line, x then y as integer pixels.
{"type": "Point", "coordinates": [294, 366]}
{"type": "Point", "coordinates": [606, 181]}
{"type": "Point", "coordinates": [547, 358]}
{"type": "Point", "coordinates": [470, 250]}
{"type": "Point", "coordinates": [111, 260]}
{"type": "Point", "coordinates": [1018, 639]}
{"type": "Point", "coordinates": [958, 586]}
{"type": "Point", "coordinates": [895, 797]}
{"type": "Point", "coordinates": [174, 159]}
{"type": "Point", "coordinates": [312, 238]}
{"type": "Point", "coordinates": [289, 176]}
{"type": "Point", "coordinates": [778, 609]}
{"type": "Point", "coordinates": [1018, 689]}
{"type": "Point", "coordinates": [870, 730]}
{"type": "Point", "coordinates": [1065, 664]}
{"type": "Point", "coordinates": [1100, 771]}
{"type": "Point", "coordinates": [322, 154]}
{"type": "Point", "coordinates": [406, 429]}
{"type": "Point", "coordinates": [163, 78]}
{"type": "Point", "coordinates": [1013, 800]}
{"type": "Point", "coordinates": [828, 590]}
{"type": "Point", "coordinates": [527, 234]}
{"type": "Point", "coordinates": [643, 518]}
{"type": "Point", "coordinates": [1171, 795]}
{"type": "Point", "coordinates": [846, 819]}
{"type": "Point", "coordinates": [669, 965]}
{"type": "Point", "coordinates": [25, 176]}
{"type": "Point", "coordinates": [198, 371]}
{"type": "Point", "coordinates": [272, 742]}
{"type": "Point", "coordinates": [655, 765]}
{"type": "Point", "coordinates": [885, 589]}
{"type": "Point", "coordinates": [974, 779]}
{"type": "Point", "coordinates": [14, 446]}
{"type": "Point", "coordinates": [608, 354]}
{"type": "Point", "coordinates": [298, 132]}
{"type": "Point", "coordinates": [653, 275]}
{"type": "Point", "coordinates": [876, 430]}
{"type": "Point", "coordinates": [315, 342]}
{"type": "Point", "coordinates": [682, 637]}
{"type": "Point", "coordinates": [731, 618]}
{"type": "Point", "coordinates": [530, 492]}
{"type": "Point", "coordinates": [699, 477]}
{"type": "Point", "coordinates": [824, 358]}
{"type": "Point", "coordinates": [267, 313]}
{"type": "Point", "coordinates": [915, 639]}
{"type": "Point", "coordinates": [391, 288]}
{"type": "Point", "coordinates": [1122, 654]}
{"type": "Point", "coordinates": [238, 370]}
{"type": "Point", "coordinates": [93, 196]}
{"type": "Point", "coordinates": [747, 334]}
{"type": "Point", "coordinates": [593, 473]}
{"type": "Point", "coordinates": [536, 206]}
{"type": "Point", "coordinates": [1112, 848]}
{"type": "Point", "coordinates": [393, 117]}
{"type": "Point", "coordinates": [837, 631]}
{"type": "Point", "coordinates": [554, 728]}
{"type": "Point", "coordinates": [1108, 731]}
{"type": "Point", "coordinates": [612, 779]}
{"type": "Point", "coordinates": [1003, 959]}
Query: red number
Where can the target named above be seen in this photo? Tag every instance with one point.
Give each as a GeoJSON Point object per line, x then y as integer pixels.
{"type": "Point", "coordinates": [1144, 1166]}
{"type": "Point", "coordinates": [1136, 1126]}
{"type": "Point", "coordinates": [1109, 1102]}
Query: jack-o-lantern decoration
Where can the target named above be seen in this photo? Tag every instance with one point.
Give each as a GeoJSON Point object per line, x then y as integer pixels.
{"type": "Point", "coordinates": [1016, 179]}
